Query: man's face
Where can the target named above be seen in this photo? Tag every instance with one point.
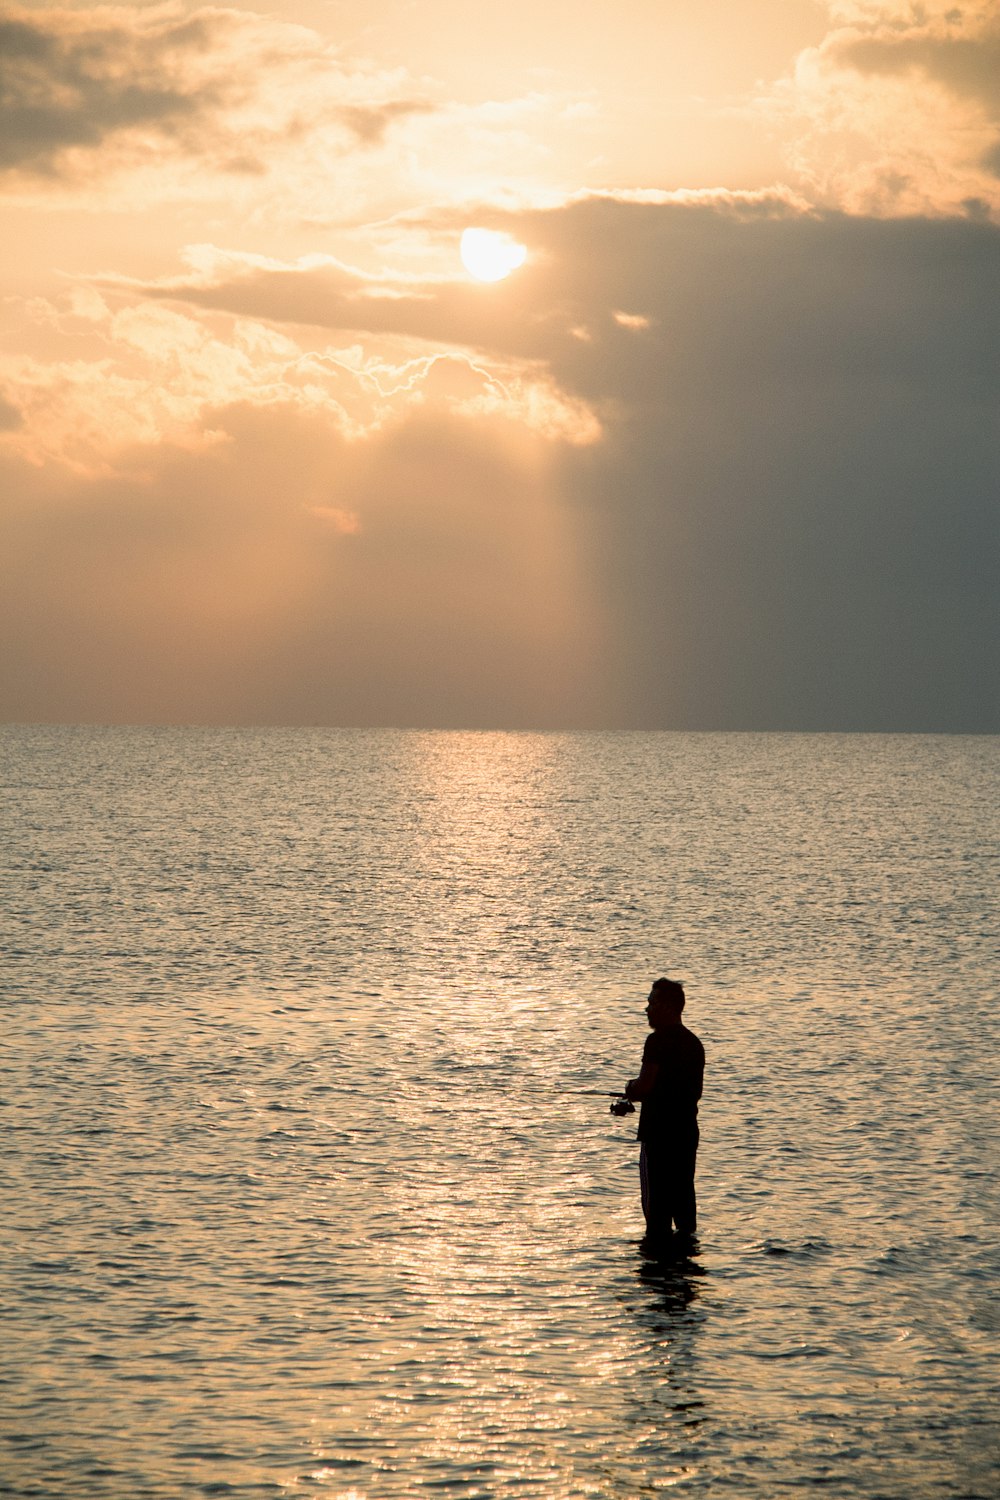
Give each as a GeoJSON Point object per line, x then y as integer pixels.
{"type": "Point", "coordinates": [659, 1012]}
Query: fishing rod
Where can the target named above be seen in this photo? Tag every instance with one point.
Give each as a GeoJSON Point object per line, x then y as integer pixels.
{"type": "Point", "coordinates": [621, 1105]}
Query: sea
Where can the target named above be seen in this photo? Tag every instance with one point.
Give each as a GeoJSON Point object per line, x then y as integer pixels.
{"type": "Point", "coordinates": [310, 1183]}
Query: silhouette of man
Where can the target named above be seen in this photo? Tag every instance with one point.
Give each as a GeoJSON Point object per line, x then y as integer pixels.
{"type": "Point", "coordinates": [668, 1087]}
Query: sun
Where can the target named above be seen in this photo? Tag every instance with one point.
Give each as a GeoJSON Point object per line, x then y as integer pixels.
{"type": "Point", "coordinates": [489, 255]}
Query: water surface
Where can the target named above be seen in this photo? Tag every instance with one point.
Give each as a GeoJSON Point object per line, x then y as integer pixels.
{"type": "Point", "coordinates": [297, 1201]}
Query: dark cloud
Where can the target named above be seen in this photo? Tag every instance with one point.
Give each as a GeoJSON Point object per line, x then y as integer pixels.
{"type": "Point", "coordinates": [67, 83]}
{"type": "Point", "coordinates": [991, 160]}
{"type": "Point", "coordinates": [80, 80]}
{"type": "Point", "coordinates": [968, 66]}
{"type": "Point", "coordinates": [369, 123]}
{"type": "Point", "coordinates": [10, 415]}
{"type": "Point", "coordinates": [798, 506]}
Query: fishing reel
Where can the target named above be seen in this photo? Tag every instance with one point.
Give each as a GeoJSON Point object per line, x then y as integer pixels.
{"type": "Point", "coordinates": [623, 1106]}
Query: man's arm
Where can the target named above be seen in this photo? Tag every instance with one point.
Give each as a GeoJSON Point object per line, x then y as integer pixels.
{"type": "Point", "coordinates": [640, 1088]}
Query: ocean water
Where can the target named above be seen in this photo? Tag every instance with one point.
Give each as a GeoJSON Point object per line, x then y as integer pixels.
{"type": "Point", "coordinates": [298, 1197]}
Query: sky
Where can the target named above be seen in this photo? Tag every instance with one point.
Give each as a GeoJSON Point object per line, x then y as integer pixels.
{"type": "Point", "coordinates": [722, 453]}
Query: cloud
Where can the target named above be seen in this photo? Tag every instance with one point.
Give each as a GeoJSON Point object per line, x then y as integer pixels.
{"type": "Point", "coordinates": [11, 416]}
{"type": "Point", "coordinates": [898, 110]}
{"type": "Point", "coordinates": [960, 57]}
{"type": "Point", "coordinates": [795, 502]}
{"type": "Point", "coordinates": [362, 498]}
{"type": "Point", "coordinates": [370, 124]}
{"type": "Point", "coordinates": [158, 373]}
{"type": "Point", "coordinates": [288, 574]}
{"type": "Point", "coordinates": [128, 107]}
{"type": "Point", "coordinates": [119, 92]}
{"type": "Point", "coordinates": [69, 80]}
{"type": "Point", "coordinates": [967, 65]}
{"type": "Point", "coordinates": [547, 301]}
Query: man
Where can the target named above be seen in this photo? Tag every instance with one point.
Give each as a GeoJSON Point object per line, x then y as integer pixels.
{"type": "Point", "coordinates": [669, 1087]}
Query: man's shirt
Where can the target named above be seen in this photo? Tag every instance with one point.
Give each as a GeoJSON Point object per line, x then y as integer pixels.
{"type": "Point", "coordinates": [671, 1110]}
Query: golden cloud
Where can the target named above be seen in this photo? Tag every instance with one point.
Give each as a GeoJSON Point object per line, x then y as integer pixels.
{"type": "Point", "coordinates": [161, 373]}
{"type": "Point", "coordinates": [898, 111]}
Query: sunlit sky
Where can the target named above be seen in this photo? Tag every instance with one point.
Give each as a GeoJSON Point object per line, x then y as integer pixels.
{"type": "Point", "coordinates": [718, 449]}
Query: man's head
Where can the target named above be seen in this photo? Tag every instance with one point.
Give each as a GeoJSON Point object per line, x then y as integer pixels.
{"type": "Point", "coordinates": [665, 1003]}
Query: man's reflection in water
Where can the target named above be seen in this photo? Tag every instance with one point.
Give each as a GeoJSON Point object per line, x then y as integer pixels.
{"type": "Point", "coordinates": [666, 1399]}
{"type": "Point", "coordinates": [674, 1280]}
